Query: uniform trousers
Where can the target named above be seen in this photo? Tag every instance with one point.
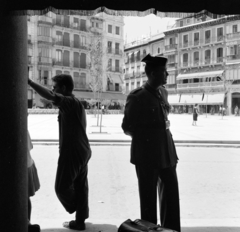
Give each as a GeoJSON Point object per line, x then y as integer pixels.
{"type": "Point", "coordinates": [71, 187]}
{"type": "Point", "coordinates": [164, 181]}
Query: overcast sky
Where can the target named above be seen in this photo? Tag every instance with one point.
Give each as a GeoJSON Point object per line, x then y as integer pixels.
{"type": "Point", "coordinates": [137, 27]}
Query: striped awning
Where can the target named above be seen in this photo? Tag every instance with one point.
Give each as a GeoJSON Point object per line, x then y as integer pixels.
{"type": "Point", "coordinates": [200, 75]}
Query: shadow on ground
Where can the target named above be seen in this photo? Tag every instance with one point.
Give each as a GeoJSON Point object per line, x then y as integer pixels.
{"type": "Point", "coordinates": [211, 229]}
{"type": "Point", "coordinates": [113, 228]}
{"type": "Point", "coordinates": [89, 227]}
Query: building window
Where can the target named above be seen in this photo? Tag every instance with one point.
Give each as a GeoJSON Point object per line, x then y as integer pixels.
{"type": "Point", "coordinates": [207, 36]}
{"type": "Point", "coordinates": [109, 47]}
{"type": "Point", "coordinates": [185, 41]}
{"type": "Point", "coordinates": [83, 25]}
{"type": "Point", "coordinates": [58, 55]}
{"type": "Point", "coordinates": [76, 60]}
{"type": "Point", "coordinates": [59, 20]}
{"type": "Point", "coordinates": [110, 65]}
{"type": "Point", "coordinates": [66, 21]}
{"type": "Point", "coordinates": [92, 24]}
{"type": "Point", "coordinates": [138, 84]}
{"type": "Point", "coordinates": [181, 23]}
{"type": "Point", "coordinates": [83, 60]}
{"type": "Point", "coordinates": [185, 60]}
{"type": "Point", "coordinates": [158, 50]}
{"type": "Point", "coordinates": [220, 33]}
{"type": "Point", "coordinates": [76, 41]}
{"type": "Point", "coordinates": [83, 80]}
{"type": "Point", "coordinates": [196, 58]}
{"type": "Point", "coordinates": [234, 29]}
{"type": "Point", "coordinates": [207, 56]}
{"type": "Point", "coordinates": [127, 87]}
{"type": "Point", "coordinates": [109, 28]}
{"type": "Point", "coordinates": [44, 31]}
{"type": "Point", "coordinates": [66, 39]}
{"type": "Point", "coordinates": [117, 68]}
{"type": "Point", "coordinates": [66, 60]}
{"type": "Point", "coordinates": [75, 23]}
{"type": "Point", "coordinates": [144, 53]}
{"type": "Point", "coordinates": [76, 79]}
{"type": "Point", "coordinates": [117, 45]}
{"type": "Point", "coordinates": [45, 77]}
{"type": "Point", "coordinates": [117, 30]}
{"type": "Point", "coordinates": [196, 38]}
{"type": "Point", "coordinates": [171, 41]}
{"type": "Point", "coordinates": [59, 37]}
{"type": "Point", "coordinates": [219, 55]}
{"type": "Point", "coordinates": [116, 86]}
{"type": "Point", "coordinates": [132, 85]}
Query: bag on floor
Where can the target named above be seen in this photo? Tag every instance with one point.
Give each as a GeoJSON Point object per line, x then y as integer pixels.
{"type": "Point", "coordinates": [141, 226]}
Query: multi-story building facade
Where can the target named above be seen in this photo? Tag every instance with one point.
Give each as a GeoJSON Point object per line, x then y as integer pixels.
{"type": "Point", "coordinates": [203, 63]}
{"type": "Point", "coordinates": [202, 51]}
{"type": "Point", "coordinates": [62, 44]}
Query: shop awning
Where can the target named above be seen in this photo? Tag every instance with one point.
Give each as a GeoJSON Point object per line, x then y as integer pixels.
{"type": "Point", "coordinates": [109, 96]}
{"type": "Point", "coordinates": [136, 52]}
{"type": "Point", "coordinates": [212, 99]}
{"type": "Point", "coordinates": [173, 99]}
{"type": "Point", "coordinates": [200, 75]}
{"type": "Point", "coordinates": [190, 99]}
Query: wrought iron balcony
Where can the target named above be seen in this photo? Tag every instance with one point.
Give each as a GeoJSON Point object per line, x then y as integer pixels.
{"type": "Point", "coordinates": [207, 61]}
{"type": "Point", "coordinates": [46, 61]}
{"type": "Point", "coordinates": [235, 35]}
{"type": "Point", "coordinates": [219, 59]}
{"type": "Point", "coordinates": [170, 46]}
{"type": "Point", "coordinates": [233, 57]}
{"type": "Point", "coordinates": [207, 40]}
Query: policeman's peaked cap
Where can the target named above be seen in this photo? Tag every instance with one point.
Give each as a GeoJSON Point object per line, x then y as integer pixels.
{"type": "Point", "coordinates": [155, 60]}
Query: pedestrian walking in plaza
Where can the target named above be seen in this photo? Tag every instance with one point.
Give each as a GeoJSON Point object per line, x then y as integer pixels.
{"type": "Point", "coordinates": [220, 110]}
{"type": "Point", "coordinates": [33, 184]}
{"type": "Point", "coordinates": [152, 150]}
{"type": "Point", "coordinates": [195, 115]}
{"type": "Point", "coordinates": [71, 183]}
{"type": "Point", "coordinates": [236, 111]}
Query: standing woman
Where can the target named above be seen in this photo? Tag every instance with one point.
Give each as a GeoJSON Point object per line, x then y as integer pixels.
{"type": "Point", "coordinates": [195, 115]}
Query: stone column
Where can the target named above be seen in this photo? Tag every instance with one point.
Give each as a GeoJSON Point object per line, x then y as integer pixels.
{"type": "Point", "coordinates": [13, 123]}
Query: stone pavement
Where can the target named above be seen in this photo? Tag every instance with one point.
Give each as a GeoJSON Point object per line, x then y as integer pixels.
{"type": "Point", "coordinates": [212, 127]}
{"type": "Point", "coordinates": [208, 182]}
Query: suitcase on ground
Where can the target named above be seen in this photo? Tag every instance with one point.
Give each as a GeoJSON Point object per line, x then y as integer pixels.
{"type": "Point", "coordinates": [141, 226]}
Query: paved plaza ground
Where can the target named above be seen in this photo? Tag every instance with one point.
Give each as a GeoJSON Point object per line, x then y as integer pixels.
{"type": "Point", "coordinates": [208, 182]}
{"type": "Point", "coordinates": [209, 178]}
{"type": "Point", "coordinates": [212, 127]}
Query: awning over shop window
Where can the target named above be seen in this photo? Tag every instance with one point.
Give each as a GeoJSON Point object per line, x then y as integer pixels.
{"type": "Point", "coordinates": [200, 75]}
{"type": "Point", "coordinates": [187, 99]}
{"type": "Point", "coordinates": [136, 52]}
{"type": "Point", "coordinates": [104, 95]}
{"type": "Point", "coordinates": [173, 99]}
{"type": "Point", "coordinates": [115, 78]}
{"type": "Point", "coordinates": [213, 99]}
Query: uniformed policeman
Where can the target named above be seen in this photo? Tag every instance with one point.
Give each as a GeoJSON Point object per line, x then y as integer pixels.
{"type": "Point", "coordinates": [152, 150]}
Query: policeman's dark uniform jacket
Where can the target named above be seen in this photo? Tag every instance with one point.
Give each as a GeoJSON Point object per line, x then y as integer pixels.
{"type": "Point", "coordinates": [153, 153]}
{"type": "Point", "coordinates": [71, 184]}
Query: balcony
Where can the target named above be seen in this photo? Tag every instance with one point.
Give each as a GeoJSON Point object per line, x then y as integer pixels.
{"type": "Point", "coordinates": [45, 61]}
{"type": "Point", "coordinates": [235, 35]}
{"type": "Point", "coordinates": [207, 40]}
{"type": "Point", "coordinates": [170, 46]}
{"type": "Point", "coordinates": [44, 39]}
{"type": "Point", "coordinates": [217, 84]}
{"type": "Point", "coordinates": [233, 57]}
{"type": "Point", "coordinates": [171, 65]}
{"type": "Point", "coordinates": [118, 52]}
{"type": "Point", "coordinates": [96, 31]}
{"type": "Point", "coordinates": [220, 38]}
{"type": "Point", "coordinates": [127, 76]}
{"type": "Point", "coordinates": [109, 50]}
{"type": "Point", "coordinates": [196, 42]}
{"type": "Point", "coordinates": [219, 59]}
{"type": "Point", "coordinates": [207, 61]}
{"type": "Point", "coordinates": [44, 20]}
{"type": "Point", "coordinates": [196, 63]}
{"type": "Point", "coordinates": [57, 62]}
{"type": "Point", "coordinates": [185, 44]}
{"type": "Point", "coordinates": [185, 64]}
{"type": "Point", "coordinates": [80, 85]}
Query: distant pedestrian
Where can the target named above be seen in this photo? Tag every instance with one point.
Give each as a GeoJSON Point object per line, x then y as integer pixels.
{"type": "Point", "coordinates": [33, 184]}
{"type": "Point", "coordinates": [195, 115]}
{"type": "Point", "coordinates": [71, 183]}
{"type": "Point", "coordinates": [236, 110]}
{"type": "Point", "coordinates": [223, 111]}
{"type": "Point", "coordinates": [220, 110]}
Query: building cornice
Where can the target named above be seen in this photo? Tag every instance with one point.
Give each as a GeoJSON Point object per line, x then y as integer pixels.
{"type": "Point", "coordinates": [201, 25]}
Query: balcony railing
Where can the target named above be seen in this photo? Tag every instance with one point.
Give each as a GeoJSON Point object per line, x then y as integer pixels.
{"type": "Point", "coordinates": [196, 62]}
{"type": "Point", "coordinates": [170, 46]}
{"type": "Point", "coordinates": [207, 40]}
{"type": "Point", "coordinates": [185, 44]}
{"type": "Point", "coordinates": [80, 85]}
{"type": "Point", "coordinates": [216, 84]}
{"type": "Point", "coordinates": [45, 20]}
{"type": "Point", "coordinates": [220, 38]}
{"type": "Point", "coordinates": [235, 35]}
{"type": "Point", "coordinates": [207, 61]}
{"type": "Point", "coordinates": [196, 42]}
{"type": "Point", "coordinates": [219, 59]}
{"type": "Point", "coordinates": [172, 65]}
{"type": "Point", "coordinates": [47, 61]}
{"type": "Point", "coordinates": [57, 62]}
{"type": "Point", "coordinates": [185, 64]}
{"type": "Point", "coordinates": [233, 57]}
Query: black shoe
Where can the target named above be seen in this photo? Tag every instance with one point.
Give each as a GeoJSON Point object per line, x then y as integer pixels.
{"type": "Point", "coordinates": [74, 225]}
{"type": "Point", "coordinates": [34, 228]}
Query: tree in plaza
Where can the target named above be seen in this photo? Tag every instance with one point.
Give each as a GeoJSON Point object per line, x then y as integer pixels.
{"type": "Point", "coordinates": [96, 66]}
